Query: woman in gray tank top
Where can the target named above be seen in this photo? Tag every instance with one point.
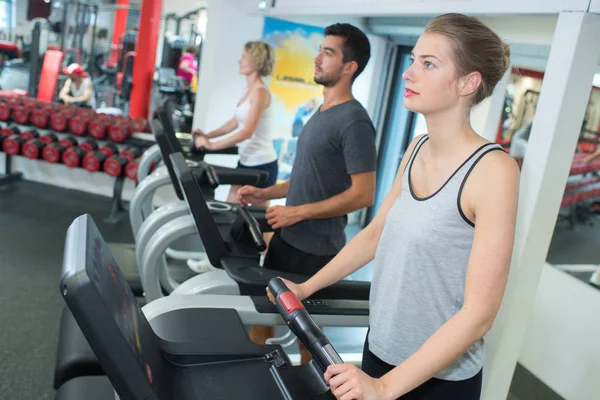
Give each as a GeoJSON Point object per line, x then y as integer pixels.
{"type": "Point", "coordinates": [442, 240]}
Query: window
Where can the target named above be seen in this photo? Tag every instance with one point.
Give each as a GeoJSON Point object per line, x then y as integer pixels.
{"type": "Point", "coordinates": [5, 18]}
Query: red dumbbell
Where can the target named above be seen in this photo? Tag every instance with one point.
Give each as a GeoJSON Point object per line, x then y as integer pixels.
{"type": "Point", "coordinates": [49, 138]}
{"type": "Point", "coordinates": [109, 149]}
{"type": "Point", "coordinates": [59, 122]}
{"type": "Point", "coordinates": [77, 125]}
{"type": "Point", "coordinates": [5, 111]}
{"type": "Point", "coordinates": [33, 149]}
{"type": "Point", "coordinates": [40, 118]}
{"type": "Point", "coordinates": [20, 115]}
{"type": "Point", "coordinates": [53, 152]}
{"type": "Point", "coordinates": [115, 165]}
{"type": "Point", "coordinates": [97, 129]}
{"type": "Point", "coordinates": [72, 157]}
{"type": "Point", "coordinates": [131, 153]}
{"type": "Point", "coordinates": [12, 145]}
{"type": "Point", "coordinates": [93, 161]}
{"type": "Point", "coordinates": [9, 131]}
{"type": "Point", "coordinates": [132, 167]}
{"type": "Point", "coordinates": [89, 146]}
{"type": "Point", "coordinates": [131, 170]}
{"type": "Point", "coordinates": [30, 103]}
{"type": "Point", "coordinates": [30, 134]}
{"type": "Point", "coordinates": [13, 101]}
{"type": "Point", "coordinates": [68, 142]}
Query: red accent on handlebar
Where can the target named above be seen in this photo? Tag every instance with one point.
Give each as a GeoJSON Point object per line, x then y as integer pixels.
{"type": "Point", "coordinates": [290, 302]}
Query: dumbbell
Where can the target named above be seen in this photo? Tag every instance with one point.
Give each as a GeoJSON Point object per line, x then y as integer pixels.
{"type": "Point", "coordinates": [89, 145]}
{"type": "Point", "coordinates": [5, 110]}
{"type": "Point", "coordinates": [12, 144]}
{"type": "Point", "coordinates": [49, 138]}
{"type": "Point", "coordinates": [120, 130]}
{"type": "Point", "coordinates": [115, 165]}
{"type": "Point", "coordinates": [53, 152]}
{"type": "Point", "coordinates": [93, 161]}
{"type": "Point", "coordinates": [131, 153]}
{"type": "Point", "coordinates": [9, 131]}
{"type": "Point", "coordinates": [59, 121]}
{"type": "Point", "coordinates": [20, 114]}
{"type": "Point", "coordinates": [98, 128]}
{"type": "Point", "coordinates": [78, 125]}
{"type": "Point", "coordinates": [68, 142]}
{"type": "Point", "coordinates": [13, 101]}
{"type": "Point", "coordinates": [73, 157]}
{"type": "Point", "coordinates": [131, 169]}
{"type": "Point", "coordinates": [40, 118]}
{"type": "Point", "coordinates": [109, 149]}
{"type": "Point", "coordinates": [30, 134]}
{"type": "Point", "coordinates": [34, 148]}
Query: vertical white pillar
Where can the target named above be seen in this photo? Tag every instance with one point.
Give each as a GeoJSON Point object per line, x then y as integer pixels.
{"type": "Point", "coordinates": [496, 105]}
{"type": "Point", "coordinates": [564, 95]}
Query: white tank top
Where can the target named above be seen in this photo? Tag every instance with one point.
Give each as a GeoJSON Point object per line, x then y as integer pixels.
{"type": "Point", "coordinates": [78, 91]}
{"type": "Point", "coordinates": [258, 149]}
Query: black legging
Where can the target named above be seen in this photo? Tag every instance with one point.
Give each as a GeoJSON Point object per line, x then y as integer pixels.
{"type": "Point", "coordinates": [433, 389]}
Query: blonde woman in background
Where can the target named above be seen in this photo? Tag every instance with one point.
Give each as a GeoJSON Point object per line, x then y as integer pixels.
{"type": "Point", "coordinates": [251, 114]}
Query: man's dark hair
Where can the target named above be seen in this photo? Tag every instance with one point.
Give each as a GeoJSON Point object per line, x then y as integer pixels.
{"type": "Point", "coordinates": [356, 45]}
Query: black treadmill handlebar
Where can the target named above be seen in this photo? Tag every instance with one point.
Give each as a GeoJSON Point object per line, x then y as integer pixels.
{"type": "Point", "coordinates": [241, 176]}
{"type": "Point", "coordinates": [203, 151]}
{"type": "Point", "coordinates": [255, 278]}
{"type": "Point", "coordinates": [211, 175]}
{"type": "Point", "coordinates": [253, 228]}
{"type": "Point", "coordinates": [303, 325]}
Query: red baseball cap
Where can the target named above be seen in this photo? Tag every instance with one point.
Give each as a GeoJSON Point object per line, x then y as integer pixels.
{"type": "Point", "coordinates": [75, 70]}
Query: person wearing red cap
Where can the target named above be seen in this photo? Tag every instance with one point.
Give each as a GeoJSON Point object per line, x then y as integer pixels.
{"type": "Point", "coordinates": [78, 89]}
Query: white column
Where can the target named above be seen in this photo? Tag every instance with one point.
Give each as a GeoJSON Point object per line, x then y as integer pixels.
{"type": "Point", "coordinates": [485, 116]}
{"type": "Point", "coordinates": [564, 95]}
{"type": "Point", "coordinates": [495, 108]}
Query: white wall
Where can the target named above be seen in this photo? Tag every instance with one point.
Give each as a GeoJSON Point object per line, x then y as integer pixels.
{"type": "Point", "coordinates": [220, 84]}
{"type": "Point", "coordinates": [561, 346]}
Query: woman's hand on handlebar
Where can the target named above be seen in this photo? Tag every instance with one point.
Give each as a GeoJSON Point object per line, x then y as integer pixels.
{"type": "Point", "coordinates": [298, 290]}
{"type": "Point", "coordinates": [198, 132]}
{"type": "Point", "coordinates": [201, 142]}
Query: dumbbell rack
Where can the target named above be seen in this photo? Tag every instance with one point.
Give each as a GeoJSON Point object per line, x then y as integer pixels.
{"type": "Point", "coordinates": [9, 176]}
{"type": "Point", "coordinates": [13, 112]}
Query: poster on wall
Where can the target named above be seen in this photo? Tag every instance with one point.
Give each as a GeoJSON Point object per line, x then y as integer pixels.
{"type": "Point", "coordinates": [295, 95]}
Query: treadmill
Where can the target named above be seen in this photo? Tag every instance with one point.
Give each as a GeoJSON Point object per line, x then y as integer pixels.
{"type": "Point", "coordinates": [234, 248]}
{"type": "Point", "coordinates": [179, 353]}
{"type": "Point", "coordinates": [241, 281]}
{"type": "Point", "coordinates": [141, 206]}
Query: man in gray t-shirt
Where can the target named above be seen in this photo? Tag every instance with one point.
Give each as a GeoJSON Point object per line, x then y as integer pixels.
{"type": "Point", "coordinates": [334, 169]}
{"type": "Point", "coordinates": [335, 145]}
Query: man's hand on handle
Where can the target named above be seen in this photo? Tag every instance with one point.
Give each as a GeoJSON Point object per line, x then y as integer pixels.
{"type": "Point", "coordinates": [251, 195]}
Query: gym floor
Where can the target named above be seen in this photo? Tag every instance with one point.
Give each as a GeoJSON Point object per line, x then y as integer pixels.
{"type": "Point", "coordinates": [34, 219]}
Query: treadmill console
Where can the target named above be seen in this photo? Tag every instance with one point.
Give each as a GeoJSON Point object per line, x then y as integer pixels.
{"type": "Point", "coordinates": [107, 312]}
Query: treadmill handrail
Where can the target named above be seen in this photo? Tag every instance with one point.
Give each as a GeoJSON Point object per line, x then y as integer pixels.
{"type": "Point", "coordinates": [253, 228]}
{"type": "Point", "coordinates": [247, 272]}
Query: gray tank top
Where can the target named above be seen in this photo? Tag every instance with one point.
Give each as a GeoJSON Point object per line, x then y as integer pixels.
{"type": "Point", "coordinates": [420, 268]}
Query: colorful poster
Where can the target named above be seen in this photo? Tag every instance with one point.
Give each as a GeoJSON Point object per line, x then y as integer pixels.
{"type": "Point", "coordinates": [296, 96]}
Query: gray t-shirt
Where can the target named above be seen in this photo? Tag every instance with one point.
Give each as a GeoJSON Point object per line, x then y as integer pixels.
{"type": "Point", "coordinates": [333, 144]}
